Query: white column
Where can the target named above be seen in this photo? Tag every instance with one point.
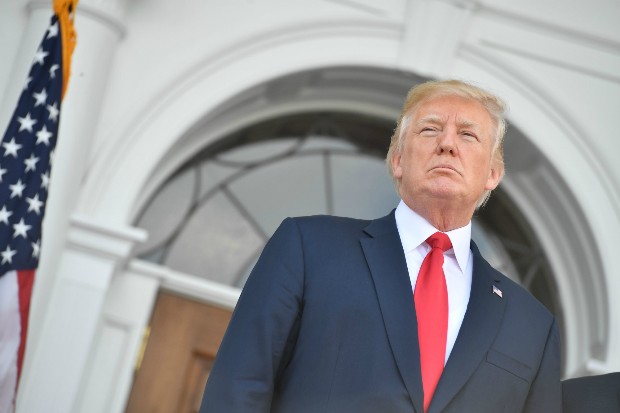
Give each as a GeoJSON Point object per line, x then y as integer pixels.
{"type": "Point", "coordinates": [67, 297]}
{"type": "Point", "coordinates": [99, 27]}
{"type": "Point", "coordinates": [94, 255]}
{"type": "Point", "coordinates": [126, 312]}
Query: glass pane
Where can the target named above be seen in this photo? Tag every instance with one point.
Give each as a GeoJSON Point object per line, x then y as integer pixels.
{"type": "Point", "coordinates": [167, 210]}
{"type": "Point", "coordinates": [213, 174]}
{"type": "Point", "coordinates": [362, 187]}
{"type": "Point", "coordinates": [259, 152]}
{"type": "Point", "coordinates": [321, 143]}
{"type": "Point", "coordinates": [156, 255]}
{"type": "Point", "coordinates": [290, 187]}
{"type": "Point", "coordinates": [493, 251]}
{"type": "Point", "coordinates": [216, 243]}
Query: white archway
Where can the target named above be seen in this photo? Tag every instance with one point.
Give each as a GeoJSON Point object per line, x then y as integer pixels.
{"type": "Point", "coordinates": [156, 138]}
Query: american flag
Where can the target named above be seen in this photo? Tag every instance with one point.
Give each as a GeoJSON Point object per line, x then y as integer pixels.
{"type": "Point", "coordinates": [26, 152]}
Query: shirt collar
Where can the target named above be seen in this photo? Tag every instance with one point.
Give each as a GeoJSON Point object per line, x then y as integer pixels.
{"type": "Point", "coordinates": [414, 230]}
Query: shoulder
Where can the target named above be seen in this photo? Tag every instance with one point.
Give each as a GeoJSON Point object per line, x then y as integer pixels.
{"type": "Point", "coordinates": [530, 307]}
{"type": "Point", "coordinates": [511, 289]}
{"type": "Point", "coordinates": [520, 302]}
{"type": "Point", "coordinates": [329, 223]}
{"type": "Point", "coordinates": [316, 233]}
{"type": "Point", "coordinates": [524, 301]}
{"type": "Point", "coordinates": [324, 232]}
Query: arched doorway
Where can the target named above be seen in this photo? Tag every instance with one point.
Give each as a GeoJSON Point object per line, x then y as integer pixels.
{"type": "Point", "coordinates": [211, 217]}
{"type": "Point", "coordinates": [304, 125]}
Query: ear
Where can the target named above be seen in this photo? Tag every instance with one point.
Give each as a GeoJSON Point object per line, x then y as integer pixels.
{"type": "Point", "coordinates": [495, 176]}
{"type": "Point", "coordinates": [397, 168]}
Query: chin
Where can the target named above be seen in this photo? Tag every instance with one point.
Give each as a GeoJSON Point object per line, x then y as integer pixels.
{"type": "Point", "coordinates": [446, 190]}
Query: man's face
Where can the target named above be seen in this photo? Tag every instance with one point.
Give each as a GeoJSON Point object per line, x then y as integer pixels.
{"type": "Point", "coordinates": [447, 153]}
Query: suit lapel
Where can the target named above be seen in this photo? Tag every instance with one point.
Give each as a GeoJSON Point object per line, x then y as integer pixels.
{"type": "Point", "coordinates": [480, 326]}
{"type": "Point", "coordinates": [386, 260]}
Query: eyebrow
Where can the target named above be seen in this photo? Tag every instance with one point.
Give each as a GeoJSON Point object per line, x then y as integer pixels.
{"type": "Point", "coordinates": [432, 118]}
{"type": "Point", "coordinates": [468, 123]}
{"type": "Point", "coordinates": [429, 118]}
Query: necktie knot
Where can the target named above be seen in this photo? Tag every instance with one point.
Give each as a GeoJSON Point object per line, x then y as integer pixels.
{"type": "Point", "coordinates": [439, 240]}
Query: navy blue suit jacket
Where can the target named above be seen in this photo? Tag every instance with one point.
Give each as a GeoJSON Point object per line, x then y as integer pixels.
{"type": "Point", "coordinates": [326, 323]}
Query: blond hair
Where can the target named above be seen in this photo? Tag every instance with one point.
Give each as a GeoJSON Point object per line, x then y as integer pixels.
{"type": "Point", "coordinates": [425, 91]}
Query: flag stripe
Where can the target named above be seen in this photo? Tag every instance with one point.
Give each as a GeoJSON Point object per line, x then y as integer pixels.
{"type": "Point", "coordinates": [25, 281]}
{"type": "Point", "coordinates": [26, 153]}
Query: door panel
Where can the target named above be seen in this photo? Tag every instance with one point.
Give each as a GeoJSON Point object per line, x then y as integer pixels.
{"type": "Point", "coordinates": [185, 336]}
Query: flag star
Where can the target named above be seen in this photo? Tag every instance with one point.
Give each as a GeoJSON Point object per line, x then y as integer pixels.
{"type": "Point", "coordinates": [44, 136]}
{"type": "Point", "coordinates": [7, 255]}
{"type": "Point", "coordinates": [17, 189]}
{"type": "Point", "coordinates": [52, 31]}
{"type": "Point", "coordinates": [40, 97]}
{"type": "Point", "coordinates": [2, 172]}
{"type": "Point", "coordinates": [5, 214]}
{"type": "Point", "coordinates": [40, 56]}
{"type": "Point", "coordinates": [31, 163]}
{"type": "Point", "coordinates": [53, 70]}
{"type": "Point", "coordinates": [26, 122]}
{"type": "Point", "coordinates": [54, 111]}
{"type": "Point", "coordinates": [36, 248]}
{"type": "Point", "coordinates": [11, 148]}
{"type": "Point", "coordinates": [34, 204]}
{"type": "Point", "coordinates": [21, 229]}
{"type": "Point", "coordinates": [45, 180]}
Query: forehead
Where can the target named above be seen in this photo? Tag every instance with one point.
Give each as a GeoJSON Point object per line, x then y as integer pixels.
{"type": "Point", "coordinates": [445, 107]}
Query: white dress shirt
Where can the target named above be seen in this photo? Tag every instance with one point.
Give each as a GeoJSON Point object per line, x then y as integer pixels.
{"type": "Point", "coordinates": [457, 266]}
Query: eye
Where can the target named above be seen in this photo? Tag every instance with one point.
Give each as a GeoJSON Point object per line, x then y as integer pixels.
{"type": "Point", "coordinates": [469, 135]}
{"type": "Point", "coordinates": [427, 130]}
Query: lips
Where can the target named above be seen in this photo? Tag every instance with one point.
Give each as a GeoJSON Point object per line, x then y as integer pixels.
{"type": "Point", "coordinates": [445, 167]}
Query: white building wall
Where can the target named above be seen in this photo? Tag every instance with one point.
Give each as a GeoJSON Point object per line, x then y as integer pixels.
{"type": "Point", "coordinates": [153, 69]}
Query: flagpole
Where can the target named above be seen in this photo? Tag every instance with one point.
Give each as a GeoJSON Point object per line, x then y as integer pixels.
{"type": "Point", "coordinates": [100, 26]}
{"type": "Point", "coordinates": [27, 148]}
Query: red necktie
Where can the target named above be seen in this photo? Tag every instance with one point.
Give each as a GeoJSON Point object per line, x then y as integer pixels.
{"type": "Point", "coordinates": [431, 307]}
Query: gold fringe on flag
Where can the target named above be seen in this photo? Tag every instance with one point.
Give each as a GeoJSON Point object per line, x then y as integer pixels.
{"type": "Point", "coordinates": [65, 11]}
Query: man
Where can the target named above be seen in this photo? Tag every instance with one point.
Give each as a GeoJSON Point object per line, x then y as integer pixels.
{"type": "Point", "coordinates": [342, 315]}
{"type": "Point", "coordinates": [600, 394]}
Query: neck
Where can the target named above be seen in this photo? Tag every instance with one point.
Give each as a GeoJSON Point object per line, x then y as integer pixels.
{"type": "Point", "coordinates": [443, 215]}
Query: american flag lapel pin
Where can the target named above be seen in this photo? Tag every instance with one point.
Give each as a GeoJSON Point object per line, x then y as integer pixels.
{"type": "Point", "coordinates": [497, 291]}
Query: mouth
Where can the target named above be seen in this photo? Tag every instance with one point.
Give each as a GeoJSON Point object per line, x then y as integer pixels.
{"type": "Point", "coordinates": [444, 168]}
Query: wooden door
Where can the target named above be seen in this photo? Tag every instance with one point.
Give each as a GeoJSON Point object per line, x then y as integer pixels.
{"type": "Point", "coordinates": [184, 339]}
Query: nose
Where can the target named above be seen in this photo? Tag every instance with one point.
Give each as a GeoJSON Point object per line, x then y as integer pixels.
{"type": "Point", "coordinates": [447, 142]}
